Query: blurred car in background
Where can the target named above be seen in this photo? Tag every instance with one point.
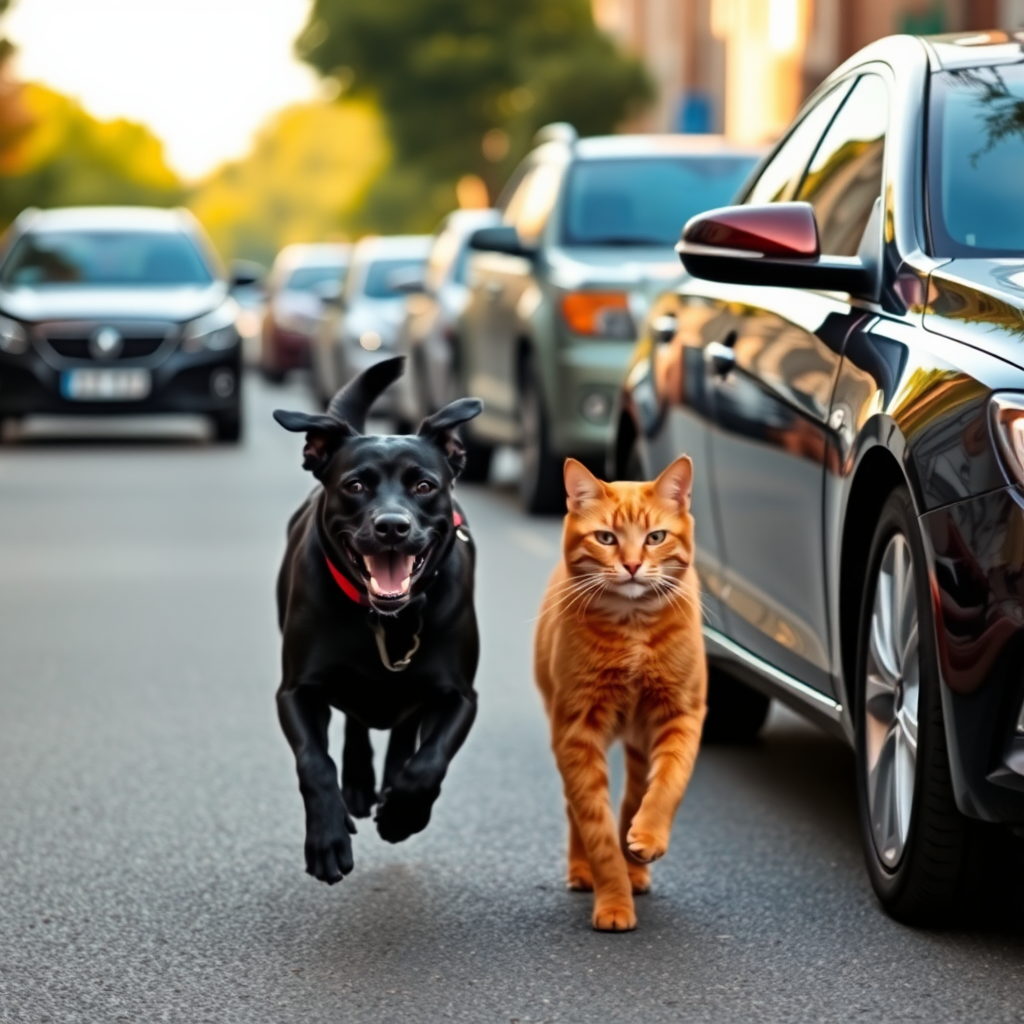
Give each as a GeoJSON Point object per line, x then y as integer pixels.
{"type": "Point", "coordinates": [109, 310]}
{"type": "Point", "coordinates": [428, 335]}
{"type": "Point", "coordinates": [557, 289]}
{"type": "Point", "coordinates": [248, 283]}
{"type": "Point", "coordinates": [302, 279]}
{"type": "Point", "coordinates": [845, 365]}
{"type": "Point", "coordinates": [360, 326]}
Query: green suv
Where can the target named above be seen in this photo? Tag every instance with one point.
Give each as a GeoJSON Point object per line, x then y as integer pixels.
{"type": "Point", "coordinates": [557, 290]}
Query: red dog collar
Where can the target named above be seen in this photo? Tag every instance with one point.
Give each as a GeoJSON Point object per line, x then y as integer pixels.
{"type": "Point", "coordinates": [349, 589]}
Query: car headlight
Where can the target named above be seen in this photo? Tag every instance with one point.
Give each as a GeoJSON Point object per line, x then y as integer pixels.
{"type": "Point", "coordinates": [13, 337]}
{"type": "Point", "coordinates": [599, 315]}
{"type": "Point", "coordinates": [1006, 416]}
{"type": "Point", "coordinates": [214, 331]}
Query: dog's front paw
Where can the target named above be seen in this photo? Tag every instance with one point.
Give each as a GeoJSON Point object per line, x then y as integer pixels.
{"type": "Point", "coordinates": [329, 845]}
{"type": "Point", "coordinates": [359, 798]}
{"type": "Point", "coordinates": [401, 814]}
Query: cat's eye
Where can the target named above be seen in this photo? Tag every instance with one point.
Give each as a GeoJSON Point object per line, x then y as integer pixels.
{"type": "Point", "coordinates": [605, 537]}
{"type": "Point", "coordinates": [423, 487]}
{"type": "Point", "coordinates": [656, 536]}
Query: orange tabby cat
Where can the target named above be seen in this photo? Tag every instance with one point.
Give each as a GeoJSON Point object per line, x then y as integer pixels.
{"type": "Point", "coordinates": [620, 654]}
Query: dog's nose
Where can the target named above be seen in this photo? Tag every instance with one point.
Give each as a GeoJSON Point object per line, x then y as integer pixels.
{"type": "Point", "coordinates": [391, 527]}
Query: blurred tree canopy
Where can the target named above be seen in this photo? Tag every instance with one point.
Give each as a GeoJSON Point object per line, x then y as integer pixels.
{"type": "Point", "coordinates": [305, 174]}
{"type": "Point", "coordinates": [66, 157]}
{"type": "Point", "coordinates": [465, 84]}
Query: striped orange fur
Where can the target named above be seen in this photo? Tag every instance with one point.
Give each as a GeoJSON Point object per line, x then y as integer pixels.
{"type": "Point", "coordinates": [619, 654]}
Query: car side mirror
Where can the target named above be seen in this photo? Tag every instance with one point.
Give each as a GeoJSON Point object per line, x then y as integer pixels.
{"type": "Point", "coordinates": [329, 293]}
{"type": "Point", "coordinates": [244, 274]}
{"type": "Point", "coordinates": [503, 238]}
{"type": "Point", "coordinates": [408, 281]}
{"type": "Point", "coordinates": [775, 245]}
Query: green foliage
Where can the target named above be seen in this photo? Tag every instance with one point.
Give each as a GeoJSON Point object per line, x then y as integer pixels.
{"type": "Point", "coordinates": [66, 157]}
{"type": "Point", "coordinates": [306, 172]}
{"type": "Point", "coordinates": [446, 73]}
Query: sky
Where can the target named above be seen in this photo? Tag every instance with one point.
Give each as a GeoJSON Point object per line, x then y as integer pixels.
{"type": "Point", "coordinates": [202, 74]}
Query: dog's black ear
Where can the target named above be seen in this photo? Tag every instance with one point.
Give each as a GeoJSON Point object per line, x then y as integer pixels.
{"type": "Point", "coordinates": [351, 404]}
{"type": "Point", "coordinates": [441, 429]}
{"type": "Point", "coordinates": [324, 436]}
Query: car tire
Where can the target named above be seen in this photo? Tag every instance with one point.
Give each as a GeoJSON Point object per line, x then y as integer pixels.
{"type": "Point", "coordinates": [227, 427]}
{"type": "Point", "coordinates": [736, 712]}
{"type": "Point", "coordinates": [541, 487]}
{"type": "Point", "coordinates": [916, 842]}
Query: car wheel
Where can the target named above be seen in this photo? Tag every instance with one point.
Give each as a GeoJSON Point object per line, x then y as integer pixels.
{"type": "Point", "coordinates": [736, 712]}
{"type": "Point", "coordinates": [227, 427]}
{"type": "Point", "coordinates": [915, 840]}
{"type": "Point", "coordinates": [541, 488]}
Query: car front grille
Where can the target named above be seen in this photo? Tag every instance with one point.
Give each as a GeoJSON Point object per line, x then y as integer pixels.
{"type": "Point", "coordinates": [71, 343]}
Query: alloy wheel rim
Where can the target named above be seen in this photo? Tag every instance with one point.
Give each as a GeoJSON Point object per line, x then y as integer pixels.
{"type": "Point", "coordinates": [891, 701]}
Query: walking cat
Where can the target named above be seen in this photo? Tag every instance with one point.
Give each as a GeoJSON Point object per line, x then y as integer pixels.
{"type": "Point", "coordinates": [619, 655]}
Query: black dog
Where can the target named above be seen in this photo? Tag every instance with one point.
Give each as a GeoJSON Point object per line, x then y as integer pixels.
{"type": "Point", "coordinates": [375, 603]}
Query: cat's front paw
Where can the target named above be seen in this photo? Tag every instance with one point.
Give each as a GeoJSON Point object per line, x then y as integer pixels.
{"type": "Point", "coordinates": [644, 845]}
{"type": "Point", "coordinates": [614, 916]}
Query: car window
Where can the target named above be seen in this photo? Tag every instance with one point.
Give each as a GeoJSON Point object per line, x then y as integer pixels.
{"type": "Point", "coordinates": [845, 175]}
{"type": "Point", "coordinates": [443, 255]}
{"type": "Point", "coordinates": [381, 274]}
{"type": "Point", "coordinates": [645, 201]}
{"type": "Point", "coordinates": [976, 155]}
{"type": "Point", "coordinates": [105, 258]}
{"type": "Point", "coordinates": [781, 178]}
{"type": "Point", "coordinates": [306, 279]}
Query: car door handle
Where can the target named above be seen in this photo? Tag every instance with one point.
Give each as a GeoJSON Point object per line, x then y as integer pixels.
{"type": "Point", "coordinates": [719, 359]}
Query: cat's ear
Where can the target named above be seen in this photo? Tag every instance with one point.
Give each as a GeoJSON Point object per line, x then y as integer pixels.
{"type": "Point", "coordinates": [581, 485]}
{"type": "Point", "coordinates": [675, 483]}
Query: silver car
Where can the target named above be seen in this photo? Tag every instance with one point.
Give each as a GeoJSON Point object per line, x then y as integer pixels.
{"type": "Point", "coordinates": [428, 335]}
{"type": "Point", "coordinates": [360, 327]}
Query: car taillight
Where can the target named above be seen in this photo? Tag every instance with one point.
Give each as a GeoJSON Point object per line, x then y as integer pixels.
{"type": "Point", "coordinates": [599, 314]}
{"type": "Point", "coordinates": [1006, 416]}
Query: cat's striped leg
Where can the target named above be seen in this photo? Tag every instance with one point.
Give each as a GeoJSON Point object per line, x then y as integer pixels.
{"type": "Point", "coordinates": [636, 786]}
{"type": "Point", "coordinates": [674, 746]}
{"type": "Point", "coordinates": [579, 878]}
{"type": "Point", "coordinates": [580, 753]}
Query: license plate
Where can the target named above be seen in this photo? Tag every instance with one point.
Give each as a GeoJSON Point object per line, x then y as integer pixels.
{"type": "Point", "coordinates": [105, 385]}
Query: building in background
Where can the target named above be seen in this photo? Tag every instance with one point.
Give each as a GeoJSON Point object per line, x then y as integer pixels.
{"type": "Point", "coordinates": [743, 67]}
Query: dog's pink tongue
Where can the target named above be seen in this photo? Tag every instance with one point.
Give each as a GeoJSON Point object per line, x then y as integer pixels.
{"type": "Point", "coordinates": [389, 572]}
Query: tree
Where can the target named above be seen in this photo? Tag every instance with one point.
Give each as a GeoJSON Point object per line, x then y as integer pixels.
{"type": "Point", "coordinates": [69, 158]}
{"type": "Point", "coordinates": [464, 84]}
{"type": "Point", "coordinates": [307, 171]}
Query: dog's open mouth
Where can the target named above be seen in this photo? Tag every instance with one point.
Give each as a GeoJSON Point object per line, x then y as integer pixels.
{"type": "Point", "coordinates": [389, 574]}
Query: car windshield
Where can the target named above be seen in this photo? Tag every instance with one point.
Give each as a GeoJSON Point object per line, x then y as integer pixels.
{"type": "Point", "coordinates": [116, 258]}
{"type": "Point", "coordinates": [975, 162]}
{"type": "Point", "coordinates": [646, 201]}
{"type": "Point", "coordinates": [382, 275]}
{"type": "Point", "coordinates": [307, 279]}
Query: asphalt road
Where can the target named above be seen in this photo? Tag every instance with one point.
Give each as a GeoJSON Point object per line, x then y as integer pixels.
{"type": "Point", "coordinates": [151, 827]}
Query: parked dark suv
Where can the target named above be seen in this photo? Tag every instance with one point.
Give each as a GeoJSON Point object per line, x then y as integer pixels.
{"type": "Point", "coordinates": [108, 310]}
{"type": "Point", "coordinates": [846, 367]}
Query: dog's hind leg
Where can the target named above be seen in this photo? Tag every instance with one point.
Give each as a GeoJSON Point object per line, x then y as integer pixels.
{"type": "Point", "coordinates": [401, 747]}
{"type": "Point", "coordinates": [358, 782]}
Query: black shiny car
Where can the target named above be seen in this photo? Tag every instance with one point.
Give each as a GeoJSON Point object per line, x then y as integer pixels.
{"type": "Point", "coordinates": [844, 364]}
{"type": "Point", "coordinates": [107, 310]}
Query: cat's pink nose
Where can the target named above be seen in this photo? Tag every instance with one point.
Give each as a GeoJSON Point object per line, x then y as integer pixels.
{"type": "Point", "coordinates": [632, 567]}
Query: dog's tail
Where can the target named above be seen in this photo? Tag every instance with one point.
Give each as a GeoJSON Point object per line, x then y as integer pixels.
{"type": "Point", "coordinates": [353, 401]}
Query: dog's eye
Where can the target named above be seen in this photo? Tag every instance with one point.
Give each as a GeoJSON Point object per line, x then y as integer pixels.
{"type": "Point", "coordinates": [423, 487]}
{"type": "Point", "coordinates": [354, 487]}
{"type": "Point", "coordinates": [656, 536]}
{"type": "Point", "coordinates": [605, 537]}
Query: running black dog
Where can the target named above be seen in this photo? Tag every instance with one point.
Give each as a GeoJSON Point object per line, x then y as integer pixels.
{"type": "Point", "coordinates": [375, 603]}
